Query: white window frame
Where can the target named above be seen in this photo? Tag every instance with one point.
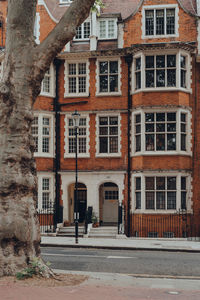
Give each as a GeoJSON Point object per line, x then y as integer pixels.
{"type": "Point", "coordinates": [178, 54]}
{"type": "Point", "coordinates": [118, 154]}
{"type": "Point", "coordinates": [157, 7]}
{"type": "Point", "coordinates": [178, 150]}
{"type": "Point", "coordinates": [37, 28]}
{"type": "Point", "coordinates": [40, 177]}
{"type": "Point", "coordinates": [52, 84]}
{"type": "Point", "coordinates": [49, 154]}
{"type": "Point", "coordinates": [80, 155]}
{"type": "Point", "coordinates": [106, 20]}
{"type": "Point", "coordinates": [82, 31]}
{"type": "Point", "coordinates": [118, 93]}
{"type": "Point", "coordinates": [178, 176]}
{"type": "Point", "coordinates": [77, 94]}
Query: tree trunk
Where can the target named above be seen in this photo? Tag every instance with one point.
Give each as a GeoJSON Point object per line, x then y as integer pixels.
{"type": "Point", "coordinates": [24, 67]}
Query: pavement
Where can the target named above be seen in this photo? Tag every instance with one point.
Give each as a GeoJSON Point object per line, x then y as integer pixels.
{"type": "Point", "coordinates": [122, 242]}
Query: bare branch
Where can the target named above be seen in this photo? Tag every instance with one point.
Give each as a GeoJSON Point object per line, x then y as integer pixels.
{"type": "Point", "coordinates": [64, 31]}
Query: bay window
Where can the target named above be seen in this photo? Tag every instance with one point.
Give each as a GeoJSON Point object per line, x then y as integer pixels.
{"type": "Point", "coordinates": [160, 132]}
{"type": "Point", "coordinates": [161, 192]}
{"type": "Point", "coordinates": [161, 71]}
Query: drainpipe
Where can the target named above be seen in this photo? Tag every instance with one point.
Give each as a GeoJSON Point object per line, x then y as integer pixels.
{"type": "Point", "coordinates": [58, 208]}
{"type": "Point", "coordinates": [128, 60]}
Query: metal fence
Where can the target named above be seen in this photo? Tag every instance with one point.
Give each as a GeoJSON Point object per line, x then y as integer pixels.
{"type": "Point", "coordinates": [46, 217]}
{"type": "Point", "coordinates": [179, 225]}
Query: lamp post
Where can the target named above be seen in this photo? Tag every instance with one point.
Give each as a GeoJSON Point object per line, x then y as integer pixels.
{"type": "Point", "coordinates": [76, 118]}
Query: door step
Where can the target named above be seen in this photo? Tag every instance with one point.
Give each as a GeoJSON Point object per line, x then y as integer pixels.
{"type": "Point", "coordinates": [103, 232]}
{"type": "Point", "coordinates": [70, 231]}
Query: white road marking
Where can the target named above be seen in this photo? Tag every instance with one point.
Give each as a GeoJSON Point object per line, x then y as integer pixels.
{"type": "Point", "coordinates": [85, 255]}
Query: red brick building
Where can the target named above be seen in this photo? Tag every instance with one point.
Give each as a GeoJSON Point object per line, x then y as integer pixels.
{"type": "Point", "coordinates": [133, 75]}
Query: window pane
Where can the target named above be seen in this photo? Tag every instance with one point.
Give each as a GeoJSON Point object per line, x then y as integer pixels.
{"type": "Point", "coordinates": [82, 84]}
{"type": "Point", "coordinates": [103, 145]}
{"type": "Point", "coordinates": [138, 118]}
{"type": "Point", "coordinates": [149, 183]}
{"type": "Point", "coordinates": [160, 78]}
{"type": "Point", "coordinates": [138, 183]}
{"type": "Point", "coordinates": [72, 85]}
{"type": "Point", "coordinates": [160, 142]}
{"type": "Point", "coordinates": [45, 145]}
{"type": "Point", "coordinates": [138, 80]}
{"type": "Point", "coordinates": [171, 142]}
{"type": "Point", "coordinates": [183, 200]}
{"type": "Point", "coordinates": [183, 142]}
{"type": "Point", "coordinates": [82, 68]}
{"type": "Point", "coordinates": [102, 29]}
{"type": "Point", "coordinates": [160, 61]}
{"type": "Point", "coordinates": [183, 62]}
{"type": "Point", "coordinates": [171, 77]}
{"type": "Point", "coordinates": [171, 183]}
{"type": "Point", "coordinates": [183, 78]}
{"type": "Point", "coordinates": [103, 67]}
{"type": "Point", "coordinates": [138, 143]}
{"type": "Point", "coordinates": [138, 200]}
{"type": "Point", "coordinates": [160, 127]}
{"type": "Point", "coordinates": [183, 183]}
{"type": "Point", "coordinates": [103, 130]}
{"type": "Point", "coordinates": [160, 183]}
{"type": "Point", "coordinates": [86, 33]}
{"type": "Point", "coordinates": [170, 15]}
{"type": "Point", "coordinates": [138, 128]}
{"type": "Point", "coordinates": [113, 83]}
{"type": "Point", "coordinates": [159, 22]}
{"type": "Point", "coordinates": [149, 127]}
{"type": "Point", "coordinates": [171, 200]}
{"type": "Point", "coordinates": [45, 121]}
{"type": "Point", "coordinates": [149, 78]}
{"type": "Point", "coordinates": [149, 142]}
{"type": "Point", "coordinates": [113, 120]}
{"type": "Point", "coordinates": [103, 120]}
{"type": "Point", "coordinates": [113, 67]}
{"type": "Point", "coordinates": [111, 28]}
{"type": "Point", "coordinates": [71, 145]}
{"type": "Point", "coordinates": [138, 63]}
{"type": "Point", "coordinates": [183, 117]}
{"type": "Point", "coordinates": [72, 69]}
{"type": "Point", "coordinates": [103, 83]}
{"type": "Point", "coordinates": [149, 117]}
{"type": "Point", "coordinates": [171, 116]}
{"type": "Point", "coordinates": [149, 62]}
{"type": "Point", "coordinates": [160, 200]}
{"type": "Point", "coordinates": [150, 201]}
{"type": "Point", "coordinates": [149, 22]}
{"type": "Point", "coordinates": [160, 117]}
{"type": "Point", "coordinates": [113, 144]}
{"type": "Point", "coordinates": [171, 127]}
{"type": "Point", "coordinates": [171, 61]}
{"type": "Point", "coordinates": [82, 145]}
{"type": "Point", "coordinates": [113, 130]}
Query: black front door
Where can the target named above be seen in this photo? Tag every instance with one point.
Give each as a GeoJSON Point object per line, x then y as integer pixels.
{"type": "Point", "coordinates": [82, 204]}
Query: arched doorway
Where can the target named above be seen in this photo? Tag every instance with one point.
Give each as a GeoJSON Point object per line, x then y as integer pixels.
{"type": "Point", "coordinates": [82, 201]}
{"type": "Point", "coordinates": [109, 201]}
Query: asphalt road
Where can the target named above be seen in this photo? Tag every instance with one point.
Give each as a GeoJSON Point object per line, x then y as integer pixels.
{"type": "Point", "coordinates": [125, 262]}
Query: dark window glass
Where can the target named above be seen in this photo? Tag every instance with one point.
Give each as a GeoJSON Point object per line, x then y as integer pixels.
{"type": "Point", "coordinates": [113, 67]}
{"type": "Point", "coordinates": [138, 200]}
{"type": "Point", "coordinates": [160, 200]}
{"type": "Point", "coordinates": [138, 183]}
{"type": "Point", "coordinates": [103, 84]}
{"type": "Point", "coordinates": [149, 22]}
{"type": "Point", "coordinates": [138, 143]}
{"type": "Point", "coordinates": [160, 183]}
{"type": "Point", "coordinates": [113, 83]}
{"type": "Point", "coordinates": [171, 141]}
{"type": "Point", "coordinates": [138, 118]}
{"type": "Point", "coordinates": [160, 142]}
{"type": "Point", "coordinates": [160, 61]}
{"type": "Point", "coordinates": [171, 183]}
{"type": "Point", "coordinates": [103, 66]}
{"type": "Point", "coordinates": [170, 21]}
{"type": "Point", "coordinates": [150, 78]}
{"type": "Point", "coordinates": [149, 183]}
{"type": "Point", "coordinates": [160, 78]}
{"type": "Point", "coordinates": [171, 116]}
{"type": "Point", "coordinates": [149, 142]}
{"type": "Point", "coordinates": [171, 61]}
{"type": "Point", "coordinates": [103, 145]}
{"type": "Point", "coordinates": [149, 117]}
{"type": "Point", "coordinates": [150, 201]}
{"type": "Point", "coordinates": [160, 117]}
{"type": "Point", "coordinates": [160, 22]}
{"type": "Point", "coordinates": [171, 200]}
{"type": "Point", "coordinates": [149, 62]}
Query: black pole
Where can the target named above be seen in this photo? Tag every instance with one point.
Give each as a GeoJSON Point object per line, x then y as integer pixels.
{"type": "Point", "coordinates": [76, 187]}
{"type": "Point", "coordinates": [128, 60]}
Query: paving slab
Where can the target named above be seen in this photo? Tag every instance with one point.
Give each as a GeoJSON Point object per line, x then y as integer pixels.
{"type": "Point", "coordinates": [182, 245]}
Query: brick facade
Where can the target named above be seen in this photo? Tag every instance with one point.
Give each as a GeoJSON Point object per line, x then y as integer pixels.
{"type": "Point", "coordinates": [101, 171]}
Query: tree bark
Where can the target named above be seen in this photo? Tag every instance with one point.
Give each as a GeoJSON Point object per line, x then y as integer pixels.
{"type": "Point", "coordinates": [25, 64]}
